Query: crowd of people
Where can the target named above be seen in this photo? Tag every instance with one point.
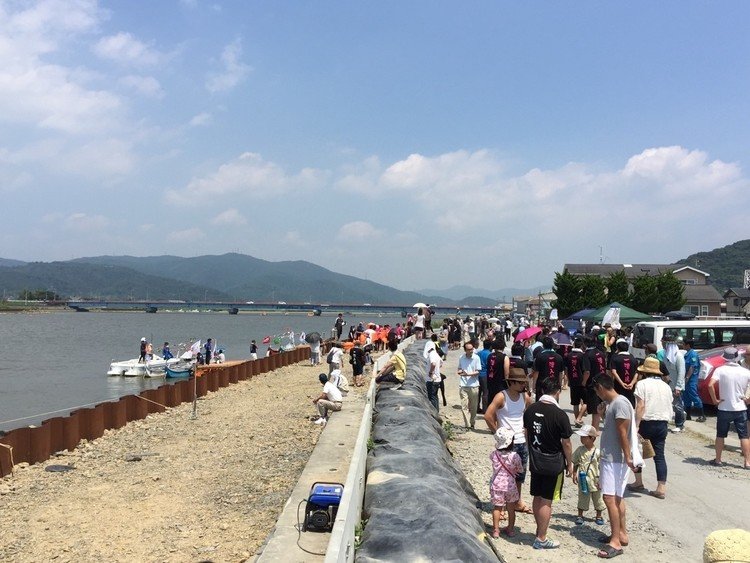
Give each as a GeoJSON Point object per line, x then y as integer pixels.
{"type": "Point", "coordinates": [633, 406]}
{"type": "Point", "coordinates": [513, 376]}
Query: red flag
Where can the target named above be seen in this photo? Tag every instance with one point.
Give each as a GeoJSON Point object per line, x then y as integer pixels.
{"type": "Point", "coordinates": [266, 340]}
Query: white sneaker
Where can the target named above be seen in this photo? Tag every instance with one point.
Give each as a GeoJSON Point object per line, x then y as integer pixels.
{"type": "Point", "coordinates": [321, 420]}
{"type": "Point", "coordinates": [675, 430]}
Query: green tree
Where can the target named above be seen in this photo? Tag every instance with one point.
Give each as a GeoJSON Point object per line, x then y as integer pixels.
{"type": "Point", "coordinates": [617, 287]}
{"type": "Point", "coordinates": [592, 292]}
{"type": "Point", "coordinates": [643, 297]}
{"type": "Point", "coordinates": [567, 289]}
{"type": "Point", "coordinates": [669, 293]}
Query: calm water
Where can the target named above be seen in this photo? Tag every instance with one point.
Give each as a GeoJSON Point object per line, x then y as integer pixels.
{"type": "Point", "coordinates": [58, 361]}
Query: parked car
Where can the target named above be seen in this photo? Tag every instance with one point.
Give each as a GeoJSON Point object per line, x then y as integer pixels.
{"type": "Point", "coordinates": [710, 360]}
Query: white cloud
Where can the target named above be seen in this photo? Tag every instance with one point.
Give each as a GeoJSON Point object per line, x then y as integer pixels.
{"type": "Point", "coordinates": [123, 48]}
{"type": "Point", "coordinates": [469, 192]}
{"type": "Point", "coordinates": [42, 93]}
{"type": "Point", "coordinates": [84, 223]}
{"type": "Point", "coordinates": [294, 238]}
{"type": "Point", "coordinates": [681, 172]}
{"type": "Point", "coordinates": [233, 70]}
{"type": "Point", "coordinates": [147, 86]}
{"type": "Point", "coordinates": [185, 236]}
{"type": "Point", "coordinates": [358, 231]}
{"type": "Point", "coordinates": [249, 177]}
{"type": "Point", "coordinates": [201, 119]}
{"type": "Point", "coordinates": [229, 217]}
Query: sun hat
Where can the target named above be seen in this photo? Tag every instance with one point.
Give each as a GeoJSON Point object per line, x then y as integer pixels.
{"type": "Point", "coordinates": [650, 365]}
{"type": "Point", "coordinates": [730, 354]}
{"type": "Point", "coordinates": [143, 339]}
{"type": "Point", "coordinates": [587, 430]}
{"type": "Point", "coordinates": [503, 438]}
{"type": "Point", "coordinates": [517, 374]}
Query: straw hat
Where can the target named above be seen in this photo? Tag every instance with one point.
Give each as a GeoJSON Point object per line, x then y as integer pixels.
{"type": "Point", "coordinates": [650, 366]}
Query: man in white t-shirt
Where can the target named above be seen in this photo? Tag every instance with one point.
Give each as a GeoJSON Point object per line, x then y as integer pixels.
{"type": "Point", "coordinates": [469, 367]}
{"type": "Point", "coordinates": [330, 400]}
{"type": "Point", "coordinates": [733, 381]}
{"type": "Point", "coordinates": [336, 354]}
{"type": "Point", "coordinates": [432, 377]}
{"type": "Point", "coordinates": [617, 459]}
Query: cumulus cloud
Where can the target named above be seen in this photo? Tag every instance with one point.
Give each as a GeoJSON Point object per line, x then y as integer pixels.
{"type": "Point", "coordinates": [249, 176]}
{"type": "Point", "coordinates": [232, 72]}
{"type": "Point", "coordinates": [229, 217]}
{"type": "Point", "coordinates": [147, 86]}
{"type": "Point", "coordinates": [45, 94]}
{"type": "Point", "coordinates": [463, 190]}
{"type": "Point", "coordinates": [123, 48]}
{"type": "Point", "coordinates": [358, 230]}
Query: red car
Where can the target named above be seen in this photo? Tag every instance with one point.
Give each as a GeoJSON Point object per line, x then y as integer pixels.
{"type": "Point", "coordinates": [710, 360]}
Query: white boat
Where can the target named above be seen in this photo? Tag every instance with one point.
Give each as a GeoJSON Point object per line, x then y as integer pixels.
{"type": "Point", "coordinates": [155, 367]}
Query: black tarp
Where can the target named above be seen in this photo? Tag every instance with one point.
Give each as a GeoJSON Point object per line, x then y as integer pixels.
{"type": "Point", "coordinates": [418, 503]}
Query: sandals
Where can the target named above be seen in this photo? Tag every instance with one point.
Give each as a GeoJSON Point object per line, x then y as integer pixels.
{"type": "Point", "coordinates": [606, 539]}
{"type": "Point", "coordinates": [524, 509]}
{"type": "Point", "coordinates": [608, 552]}
{"type": "Point", "coordinates": [716, 463]}
{"type": "Point", "coordinates": [495, 534]}
{"type": "Point", "coordinates": [657, 494]}
{"type": "Point", "coordinates": [635, 488]}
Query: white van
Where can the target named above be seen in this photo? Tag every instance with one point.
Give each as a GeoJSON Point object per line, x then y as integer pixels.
{"type": "Point", "coordinates": [705, 334]}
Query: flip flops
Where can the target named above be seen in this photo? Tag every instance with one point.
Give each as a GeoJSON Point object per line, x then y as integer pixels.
{"type": "Point", "coordinates": [608, 552]}
{"type": "Point", "coordinates": [657, 494]}
{"type": "Point", "coordinates": [635, 488]}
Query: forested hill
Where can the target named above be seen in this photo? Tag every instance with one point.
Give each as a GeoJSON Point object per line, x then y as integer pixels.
{"type": "Point", "coordinates": [726, 265]}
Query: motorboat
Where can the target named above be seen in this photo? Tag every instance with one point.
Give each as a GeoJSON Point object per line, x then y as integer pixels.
{"type": "Point", "coordinates": [180, 370]}
{"type": "Point", "coordinates": [155, 367]}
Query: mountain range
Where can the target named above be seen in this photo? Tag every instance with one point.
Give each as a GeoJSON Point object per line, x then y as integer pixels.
{"type": "Point", "coordinates": [238, 277]}
{"type": "Point", "coordinates": [227, 277]}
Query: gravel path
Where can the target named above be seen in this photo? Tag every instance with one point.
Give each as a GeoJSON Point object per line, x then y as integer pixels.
{"type": "Point", "coordinates": [210, 488]}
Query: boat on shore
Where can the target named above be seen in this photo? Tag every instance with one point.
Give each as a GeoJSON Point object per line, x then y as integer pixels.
{"type": "Point", "coordinates": [155, 367]}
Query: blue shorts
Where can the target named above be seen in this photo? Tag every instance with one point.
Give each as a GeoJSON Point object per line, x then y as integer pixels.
{"type": "Point", "coordinates": [724, 419]}
{"type": "Point", "coordinates": [523, 452]}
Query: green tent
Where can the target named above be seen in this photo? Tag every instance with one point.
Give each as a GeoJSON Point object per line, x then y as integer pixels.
{"type": "Point", "coordinates": [628, 316]}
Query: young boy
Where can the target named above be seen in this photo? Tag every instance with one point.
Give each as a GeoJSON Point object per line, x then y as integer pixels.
{"type": "Point", "coordinates": [586, 460]}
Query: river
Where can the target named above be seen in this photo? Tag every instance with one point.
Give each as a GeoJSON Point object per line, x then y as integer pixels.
{"type": "Point", "coordinates": [56, 362]}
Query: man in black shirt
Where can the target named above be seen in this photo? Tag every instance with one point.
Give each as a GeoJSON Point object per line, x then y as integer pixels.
{"type": "Point", "coordinates": [597, 364]}
{"type": "Point", "coordinates": [547, 365]}
{"type": "Point", "coordinates": [577, 366]}
{"type": "Point", "coordinates": [550, 454]}
{"type": "Point", "coordinates": [622, 368]}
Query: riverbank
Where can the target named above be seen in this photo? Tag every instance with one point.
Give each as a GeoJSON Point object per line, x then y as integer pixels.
{"type": "Point", "coordinates": [170, 488]}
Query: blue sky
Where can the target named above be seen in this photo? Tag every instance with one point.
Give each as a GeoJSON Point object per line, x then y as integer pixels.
{"type": "Point", "coordinates": [417, 144]}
